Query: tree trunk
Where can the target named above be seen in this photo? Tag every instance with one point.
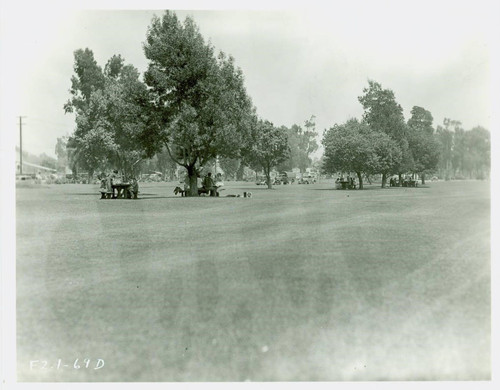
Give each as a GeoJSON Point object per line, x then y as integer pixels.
{"type": "Point", "coordinates": [360, 179]}
{"type": "Point", "coordinates": [400, 176]}
{"type": "Point", "coordinates": [268, 178]}
{"type": "Point", "coordinates": [423, 178]}
{"type": "Point", "coordinates": [384, 180]}
{"type": "Point", "coordinates": [240, 172]}
{"type": "Point", "coordinates": [193, 181]}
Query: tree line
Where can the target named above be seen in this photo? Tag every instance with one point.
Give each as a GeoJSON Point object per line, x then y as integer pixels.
{"type": "Point", "coordinates": [383, 143]}
{"type": "Point", "coordinates": [192, 105]}
{"type": "Point", "coordinates": [191, 108]}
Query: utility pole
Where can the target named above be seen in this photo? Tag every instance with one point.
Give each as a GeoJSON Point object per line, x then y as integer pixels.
{"type": "Point", "coordinates": [21, 144]}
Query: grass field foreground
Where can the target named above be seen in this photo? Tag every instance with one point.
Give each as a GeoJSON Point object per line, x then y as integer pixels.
{"type": "Point", "coordinates": [302, 282]}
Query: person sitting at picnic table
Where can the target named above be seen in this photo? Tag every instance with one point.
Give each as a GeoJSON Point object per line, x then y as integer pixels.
{"type": "Point", "coordinates": [112, 180]}
{"type": "Point", "coordinates": [338, 184]}
{"type": "Point", "coordinates": [209, 185]}
{"type": "Point", "coordinates": [103, 189]}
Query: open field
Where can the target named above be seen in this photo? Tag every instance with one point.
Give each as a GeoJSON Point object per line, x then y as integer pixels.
{"type": "Point", "coordinates": [298, 283]}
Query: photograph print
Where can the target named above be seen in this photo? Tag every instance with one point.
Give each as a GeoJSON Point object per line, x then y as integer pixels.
{"type": "Point", "coordinates": [265, 195]}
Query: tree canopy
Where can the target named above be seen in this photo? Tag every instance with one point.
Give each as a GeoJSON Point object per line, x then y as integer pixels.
{"type": "Point", "coordinates": [382, 112]}
{"type": "Point", "coordinates": [422, 142]}
{"type": "Point", "coordinates": [198, 101]}
{"type": "Point", "coordinates": [266, 147]}
{"type": "Point", "coordinates": [384, 115]}
{"type": "Point", "coordinates": [109, 114]}
{"type": "Point", "coordinates": [355, 147]}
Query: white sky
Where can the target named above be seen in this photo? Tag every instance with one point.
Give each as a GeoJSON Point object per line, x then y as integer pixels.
{"type": "Point", "coordinates": [296, 61]}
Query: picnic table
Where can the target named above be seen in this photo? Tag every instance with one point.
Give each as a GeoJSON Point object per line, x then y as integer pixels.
{"type": "Point", "coordinates": [344, 184]}
{"type": "Point", "coordinates": [410, 183]}
{"type": "Point", "coordinates": [121, 190]}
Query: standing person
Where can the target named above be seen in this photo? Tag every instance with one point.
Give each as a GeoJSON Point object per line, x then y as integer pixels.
{"type": "Point", "coordinates": [208, 184]}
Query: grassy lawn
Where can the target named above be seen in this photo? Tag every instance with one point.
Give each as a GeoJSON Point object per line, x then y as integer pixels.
{"type": "Point", "coordinates": [302, 282]}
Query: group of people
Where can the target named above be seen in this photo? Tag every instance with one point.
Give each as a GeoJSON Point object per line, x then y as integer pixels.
{"type": "Point", "coordinates": [114, 186]}
{"type": "Point", "coordinates": [209, 184]}
{"type": "Point", "coordinates": [406, 181]}
{"type": "Point", "coordinates": [348, 183]}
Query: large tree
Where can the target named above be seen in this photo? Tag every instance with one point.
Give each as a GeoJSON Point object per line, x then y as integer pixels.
{"type": "Point", "coordinates": [109, 114]}
{"type": "Point", "coordinates": [355, 147]}
{"type": "Point", "coordinates": [422, 141]}
{"type": "Point", "coordinates": [198, 101]}
{"type": "Point", "coordinates": [384, 115]}
{"type": "Point", "coordinates": [266, 147]}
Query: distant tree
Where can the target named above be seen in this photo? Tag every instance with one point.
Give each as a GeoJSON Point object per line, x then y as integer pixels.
{"type": "Point", "coordinates": [478, 152]}
{"type": "Point", "coordinates": [165, 164]}
{"type": "Point", "coordinates": [230, 166]}
{"type": "Point", "coordinates": [355, 147]}
{"type": "Point", "coordinates": [422, 141]}
{"type": "Point", "coordinates": [446, 139]}
{"type": "Point", "coordinates": [307, 142]}
{"type": "Point", "coordinates": [199, 103]}
{"type": "Point", "coordinates": [384, 115]}
{"type": "Point", "coordinates": [463, 153]}
{"type": "Point", "coordinates": [459, 151]}
{"type": "Point", "coordinates": [267, 147]}
{"type": "Point", "coordinates": [302, 144]}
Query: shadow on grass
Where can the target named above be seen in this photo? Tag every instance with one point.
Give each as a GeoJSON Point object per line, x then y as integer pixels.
{"type": "Point", "coordinates": [259, 188]}
{"type": "Point", "coordinates": [372, 188]}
